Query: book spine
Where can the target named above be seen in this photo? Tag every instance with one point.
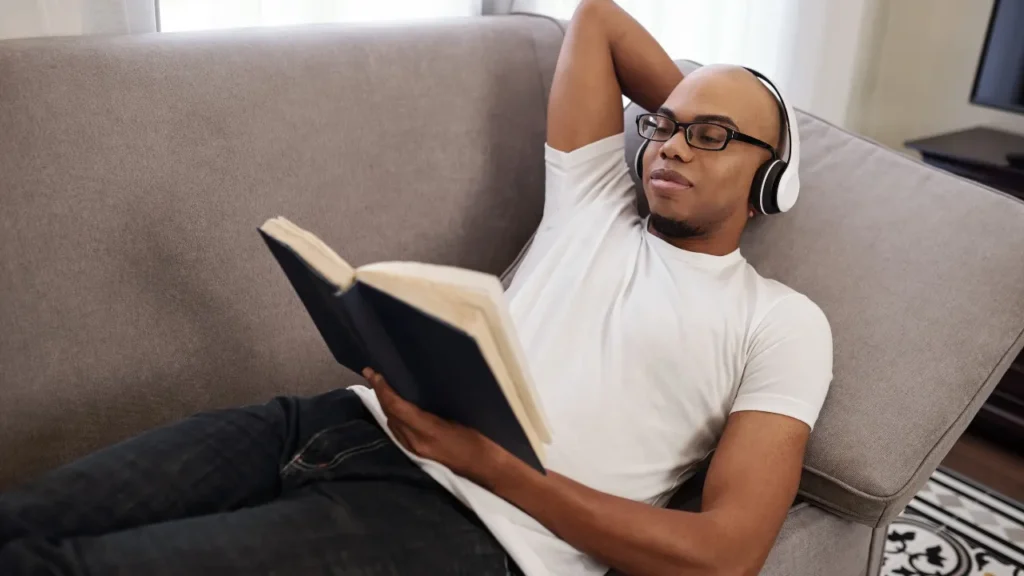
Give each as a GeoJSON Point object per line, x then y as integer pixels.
{"type": "Point", "coordinates": [379, 346]}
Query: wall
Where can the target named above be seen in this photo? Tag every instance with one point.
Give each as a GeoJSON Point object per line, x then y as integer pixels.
{"type": "Point", "coordinates": [919, 71]}
{"type": "Point", "coordinates": [823, 45]}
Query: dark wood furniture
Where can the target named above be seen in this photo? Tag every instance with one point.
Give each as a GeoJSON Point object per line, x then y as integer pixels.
{"type": "Point", "coordinates": [990, 157]}
{"type": "Point", "coordinates": [1001, 419]}
{"type": "Point", "coordinates": [980, 154]}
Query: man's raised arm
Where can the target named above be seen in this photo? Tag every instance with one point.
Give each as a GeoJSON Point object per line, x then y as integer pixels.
{"type": "Point", "coordinates": [606, 54]}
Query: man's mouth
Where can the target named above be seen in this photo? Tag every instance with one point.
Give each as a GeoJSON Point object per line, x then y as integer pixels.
{"type": "Point", "coordinates": [669, 180]}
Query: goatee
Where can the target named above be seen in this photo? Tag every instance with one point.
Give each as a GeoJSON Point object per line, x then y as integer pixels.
{"type": "Point", "coordinates": [677, 229]}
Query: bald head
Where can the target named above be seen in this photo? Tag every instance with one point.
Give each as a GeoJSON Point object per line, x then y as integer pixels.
{"type": "Point", "coordinates": [739, 93]}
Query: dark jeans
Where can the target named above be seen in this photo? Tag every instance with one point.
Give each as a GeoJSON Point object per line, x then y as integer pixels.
{"type": "Point", "coordinates": [296, 486]}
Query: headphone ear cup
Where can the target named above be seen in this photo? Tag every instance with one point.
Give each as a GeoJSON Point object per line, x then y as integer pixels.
{"type": "Point", "coordinates": [638, 162]}
{"type": "Point", "coordinates": [765, 187]}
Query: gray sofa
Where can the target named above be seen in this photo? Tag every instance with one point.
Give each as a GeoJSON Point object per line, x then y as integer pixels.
{"type": "Point", "coordinates": [134, 289]}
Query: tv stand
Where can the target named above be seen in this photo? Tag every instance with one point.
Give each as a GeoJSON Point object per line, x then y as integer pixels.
{"type": "Point", "coordinates": [986, 155]}
{"type": "Point", "coordinates": [994, 158]}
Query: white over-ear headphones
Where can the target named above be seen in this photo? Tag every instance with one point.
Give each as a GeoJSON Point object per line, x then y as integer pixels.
{"type": "Point", "coordinates": [776, 183]}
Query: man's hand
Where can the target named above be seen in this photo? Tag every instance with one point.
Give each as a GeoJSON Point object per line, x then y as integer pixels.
{"type": "Point", "coordinates": [463, 450]}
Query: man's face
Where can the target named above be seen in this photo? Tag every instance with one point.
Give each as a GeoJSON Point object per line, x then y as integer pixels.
{"type": "Point", "coordinates": [716, 184]}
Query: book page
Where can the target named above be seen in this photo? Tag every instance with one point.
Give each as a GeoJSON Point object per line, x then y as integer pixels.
{"type": "Point", "coordinates": [311, 249]}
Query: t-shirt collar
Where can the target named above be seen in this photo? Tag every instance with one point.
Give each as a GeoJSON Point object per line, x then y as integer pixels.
{"type": "Point", "coordinates": [670, 251]}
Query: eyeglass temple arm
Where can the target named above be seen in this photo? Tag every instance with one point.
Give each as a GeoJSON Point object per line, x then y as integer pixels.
{"type": "Point", "coordinates": [751, 140]}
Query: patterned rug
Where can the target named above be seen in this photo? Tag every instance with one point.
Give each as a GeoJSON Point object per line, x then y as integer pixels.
{"type": "Point", "coordinates": [955, 527]}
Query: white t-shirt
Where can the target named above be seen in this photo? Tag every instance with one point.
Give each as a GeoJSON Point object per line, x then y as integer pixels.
{"type": "Point", "coordinates": [639, 350]}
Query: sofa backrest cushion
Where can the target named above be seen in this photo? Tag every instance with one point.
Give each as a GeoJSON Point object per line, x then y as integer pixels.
{"type": "Point", "coordinates": [134, 171]}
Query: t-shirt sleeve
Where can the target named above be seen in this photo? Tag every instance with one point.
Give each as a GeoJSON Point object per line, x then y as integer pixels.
{"type": "Point", "coordinates": [593, 174]}
{"type": "Point", "coordinates": [789, 369]}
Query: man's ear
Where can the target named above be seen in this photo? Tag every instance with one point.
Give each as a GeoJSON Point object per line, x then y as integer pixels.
{"type": "Point", "coordinates": [750, 211]}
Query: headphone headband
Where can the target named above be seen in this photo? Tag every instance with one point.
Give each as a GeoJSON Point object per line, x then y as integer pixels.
{"type": "Point", "coordinates": [785, 185]}
{"type": "Point", "coordinates": [783, 113]}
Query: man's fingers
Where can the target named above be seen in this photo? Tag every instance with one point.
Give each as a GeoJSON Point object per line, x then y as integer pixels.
{"type": "Point", "coordinates": [379, 385]}
{"type": "Point", "coordinates": [401, 433]}
{"type": "Point", "coordinates": [384, 392]}
{"type": "Point", "coordinates": [394, 405]}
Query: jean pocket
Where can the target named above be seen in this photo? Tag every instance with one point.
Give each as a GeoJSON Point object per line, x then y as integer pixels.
{"type": "Point", "coordinates": [331, 447]}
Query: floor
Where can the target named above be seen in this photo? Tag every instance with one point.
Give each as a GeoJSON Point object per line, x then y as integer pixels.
{"type": "Point", "coordinates": [951, 528]}
{"type": "Point", "coordinates": [988, 463]}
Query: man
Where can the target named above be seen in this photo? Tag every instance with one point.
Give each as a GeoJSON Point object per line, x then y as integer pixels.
{"type": "Point", "coordinates": [652, 343]}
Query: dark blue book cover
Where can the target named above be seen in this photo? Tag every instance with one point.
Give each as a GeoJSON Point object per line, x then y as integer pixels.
{"type": "Point", "coordinates": [427, 361]}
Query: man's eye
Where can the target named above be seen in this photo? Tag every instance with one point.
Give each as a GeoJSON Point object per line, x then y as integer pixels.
{"type": "Point", "coordinates": [710, 136]}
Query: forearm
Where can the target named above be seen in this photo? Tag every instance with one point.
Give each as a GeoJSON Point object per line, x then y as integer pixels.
{"type": "Point", "coordinates": [604, 55]}
{"type": "Point", "coordinates": [630, 536]}
{"type": "Point", "coordinates": [645, 71]}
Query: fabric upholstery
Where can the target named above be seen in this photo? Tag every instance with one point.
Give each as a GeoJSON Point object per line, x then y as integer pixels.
{"type": "Point", "coordinates": [134, 288]}
{"type": "Point", "coordinates": [919, 274]}
{"type": "Point", "coordinates": [876, 554]}
{"type": "Point", "coordinates": [814, 542]}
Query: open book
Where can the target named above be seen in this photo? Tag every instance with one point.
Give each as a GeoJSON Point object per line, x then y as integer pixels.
{"type": "Point", "coordinates": [441, 336]}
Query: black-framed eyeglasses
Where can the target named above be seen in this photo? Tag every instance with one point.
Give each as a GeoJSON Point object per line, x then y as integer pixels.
{"type": "Point", "coordinates": [701, 135]}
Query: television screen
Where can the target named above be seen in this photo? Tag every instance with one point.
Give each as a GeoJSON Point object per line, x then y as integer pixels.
{"type": "Point", "coordinates": [1000, 78]}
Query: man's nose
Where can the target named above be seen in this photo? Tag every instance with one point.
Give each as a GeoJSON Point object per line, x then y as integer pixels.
{"type": "Point", "coordinates": [677, 148]}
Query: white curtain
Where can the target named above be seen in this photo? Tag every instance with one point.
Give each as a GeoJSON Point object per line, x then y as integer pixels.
{"type": "Point", "coordinates": [815, 50]}
{"type": "Point", "coordinates": [179, 15]}
{"type": "Point", "coordinates": [740, 31]}
{"type": "Point", "coordinates": [29, 18]}
{"type": "Point", "coordinates": [811, 48]}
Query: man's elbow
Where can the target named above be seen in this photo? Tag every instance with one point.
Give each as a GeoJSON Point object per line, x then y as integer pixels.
{"type": "Point", "coordinates": [724, 551]}
{"type": "Point", "coordinates": [590, 10]}
{"type": "Point", "coordinates": [738, 563]}
{"type": "Point", "coordinates": [735, 562]}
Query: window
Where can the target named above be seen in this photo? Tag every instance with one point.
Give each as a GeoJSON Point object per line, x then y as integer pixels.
{"type": "Point", "coordinates": [180, 15]}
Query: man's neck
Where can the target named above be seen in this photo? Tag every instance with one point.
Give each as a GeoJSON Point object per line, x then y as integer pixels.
{"type": "Point", "coordinates": [712, 244]}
